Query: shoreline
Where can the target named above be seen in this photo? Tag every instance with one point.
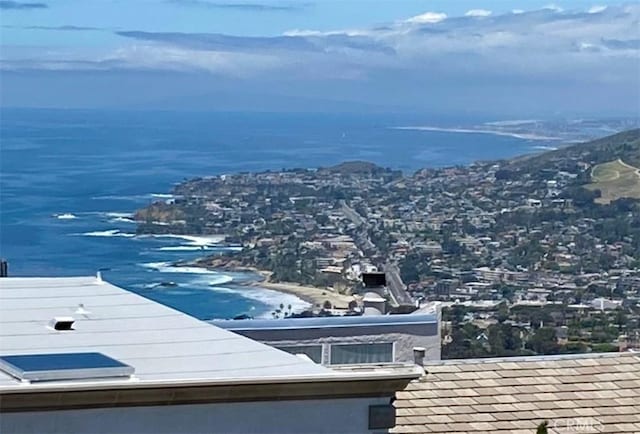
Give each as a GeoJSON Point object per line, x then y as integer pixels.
{"type": "Point", "coordinates": [312, 295]}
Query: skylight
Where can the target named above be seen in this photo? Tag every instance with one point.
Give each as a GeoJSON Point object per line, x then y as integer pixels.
{"type": "Point", "coordinates": [63, 366]}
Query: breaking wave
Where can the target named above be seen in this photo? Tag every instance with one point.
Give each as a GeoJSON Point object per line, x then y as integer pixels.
{"type": "Point", "coordinates": [191, 248]}
{"type": "Point", "coordinates": [192, 240]}
{"type": "Point", "coordinates": [136, 197]}
{"type": "Point", "coordinates": [168, 267]}
{"type": "Point", "coordinates": [122, 220]}
{"type": "Point", "coordinates": [274, 299]}
{"type": "Point", "coordinates": [109, 233]}
{"type": "Point", "coordinates": [183, 248]}
{"type": "Point", "coordinates": [119, 214]}
{"type": "Point", "coordinates": [518, 135]}
{"type": "Point", "coordinates": [120, 217]}
{"type": "Point", "coordinates": [512, 123]}
{"type": "Point", "coordinates": [268, 297]}
{"type": "Point", "coordinates": [65, 216]}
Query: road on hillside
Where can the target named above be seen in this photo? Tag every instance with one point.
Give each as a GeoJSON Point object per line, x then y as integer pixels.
{"type": "Point", "coordinates": [396, 286]}
{"type": "Point", "coordinates": [397, 289]}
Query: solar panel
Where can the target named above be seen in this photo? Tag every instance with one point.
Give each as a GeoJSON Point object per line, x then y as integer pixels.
{"type": "Point", "coordinates": [63, 366]}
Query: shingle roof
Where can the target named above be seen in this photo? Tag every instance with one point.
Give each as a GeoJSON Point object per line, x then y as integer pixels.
{"type": "Point", "coordinates": [599, 392]}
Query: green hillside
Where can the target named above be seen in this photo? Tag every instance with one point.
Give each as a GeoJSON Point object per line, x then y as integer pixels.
{"type": "Point", "coordinates": [624, 146]}
{"type": "Point", "coordinates": [615, 179]}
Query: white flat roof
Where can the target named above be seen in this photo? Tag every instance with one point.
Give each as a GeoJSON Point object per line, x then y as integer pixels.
{"type": "Point", "coordinates": [162, 344]}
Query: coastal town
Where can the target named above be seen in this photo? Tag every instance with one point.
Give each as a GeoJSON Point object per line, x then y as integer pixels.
{"type": "Point", "coordinates": [536, 255]}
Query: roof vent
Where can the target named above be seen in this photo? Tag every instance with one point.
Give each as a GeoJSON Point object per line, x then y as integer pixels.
{"type": "Point", "coordinates": [418, 355]}
{"type": "Point", "coordinates": [62, 323]}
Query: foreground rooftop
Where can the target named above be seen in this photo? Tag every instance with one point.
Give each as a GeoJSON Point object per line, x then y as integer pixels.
{"type": "Point", "coordinates": [167, 348]}
{"type": "Point", "coordinates": [575, 393]}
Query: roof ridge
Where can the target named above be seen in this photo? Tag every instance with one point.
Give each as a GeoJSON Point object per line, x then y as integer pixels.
{"type": "Point", "coordinates": [536, 358]}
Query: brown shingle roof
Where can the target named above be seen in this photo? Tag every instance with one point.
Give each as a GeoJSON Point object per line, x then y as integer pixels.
{"type": "Point", "coordinates": [599, 393]}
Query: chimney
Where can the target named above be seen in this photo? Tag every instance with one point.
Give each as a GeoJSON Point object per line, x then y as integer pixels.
{"type": "Point", "coordinates": [418, 355]}
{"type": "Point", "coordinates": [4, 268]}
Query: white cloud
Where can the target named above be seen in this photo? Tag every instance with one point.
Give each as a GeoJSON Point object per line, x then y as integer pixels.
{"type": "Point", "coordinates": [301, 32]}
{"type": "Point", "coordinates": [553, 7]}
{"type": "Point", "coordinates": [304, 33]}
{"type": "Point", "coordinates": [478, 13]}
{"type": "Point", "coordinates": [517, 11]}
{"type": "Point", "coordinates": [427, 17]}
{"type": "Point", "coordinates": [572, 45]}
{"type": "Point", "coordinates": [596, 9]}
{"type": "Point", "coordinates": [536, 57]}
{"type": "Point", "coordinates": [587, 46]}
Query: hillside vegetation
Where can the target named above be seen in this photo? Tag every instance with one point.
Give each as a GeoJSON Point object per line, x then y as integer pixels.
{"type": "Point", "coordinates": [624, 146]}
{"type": "Point", "coordinates": [615, 180]}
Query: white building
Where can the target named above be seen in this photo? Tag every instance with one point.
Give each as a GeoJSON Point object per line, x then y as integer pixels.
{"type": "Point", "coordinates": [173, 372]}
{"type": "Point", "coordinates": [348, 340]}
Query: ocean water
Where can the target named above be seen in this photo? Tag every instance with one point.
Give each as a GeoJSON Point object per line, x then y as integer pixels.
{"type": "Point", "coordinates": [70, 180]}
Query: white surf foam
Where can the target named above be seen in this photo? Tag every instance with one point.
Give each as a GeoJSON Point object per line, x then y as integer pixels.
{"type": "Point", "coordinates": [275, 299]}
{"type": "Point", "coordinates": [525, 136]}
{"type": "Point", "coordinates": [119, 214]}
{"type": "Point", "coordinates": [220, 280]}
{"type": "Point", "coordinates": [233, 248]}
{"type": "Point", "coordinates": [136, 197]}
{"type": "Point", "coordinates": [271, 298]}
{"type": "Point", "coordinates": [108, 233]}
{"type": "Point", "coordinates": [193, 240]}
{"type": "Point", "coordinates": [122, 220]}
{"type": "Point", "coordinates": [512, 123]}
{"type": "Point", "coordinates": [545, 148]}
{"type": "Point", "coordinates": [190, 248]}
{"type": "Point", "coordinates": [183, 248]}
{"type": "Point", "coordinates": [167, 267]}
{"type": "Point", "coordinates": [155, 265]}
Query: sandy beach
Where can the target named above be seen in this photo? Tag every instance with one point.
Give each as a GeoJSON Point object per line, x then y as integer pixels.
{"type": "Point", "coordinates": [310, 294]}
{"type": "Point", "coordinates": [315, 296]}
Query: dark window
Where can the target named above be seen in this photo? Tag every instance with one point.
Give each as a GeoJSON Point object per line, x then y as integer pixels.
{"type": "Point", "coordinates": [344, 354]}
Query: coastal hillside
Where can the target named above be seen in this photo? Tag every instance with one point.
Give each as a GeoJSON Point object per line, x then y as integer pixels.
{"type": "Point", "coordinates": [360, 168]}
{"type": "Point", "coordinates": [525, 238]}
{"type": "Point", "coordinates": [607, 167]}
{"type": "Point", "coordinates": [624, 145]}
{"type": "Point", "coordinates": [600, 172]}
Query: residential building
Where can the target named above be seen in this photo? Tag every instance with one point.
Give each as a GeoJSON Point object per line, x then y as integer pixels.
{"type": "Point", "coordinates": [347, 339]}
{"type": "Point", "coordinates": [81, 355]}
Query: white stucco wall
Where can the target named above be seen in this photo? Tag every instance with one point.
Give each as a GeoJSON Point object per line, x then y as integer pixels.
{"type": "Point", "coordinates": [305, 416]}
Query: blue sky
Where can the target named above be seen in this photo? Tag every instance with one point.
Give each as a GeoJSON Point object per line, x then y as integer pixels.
{"type": "Point", "coordinates": [569, 57]}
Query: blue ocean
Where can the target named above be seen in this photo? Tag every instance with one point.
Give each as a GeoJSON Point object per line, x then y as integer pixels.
{"type": "Point", "coordinates": [71, 179]}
